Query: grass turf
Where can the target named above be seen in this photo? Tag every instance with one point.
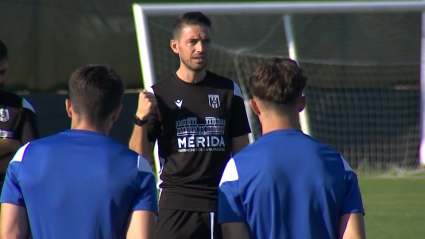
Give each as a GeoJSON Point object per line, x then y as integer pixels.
{"type": "Point", "coordinates": [395, 207]}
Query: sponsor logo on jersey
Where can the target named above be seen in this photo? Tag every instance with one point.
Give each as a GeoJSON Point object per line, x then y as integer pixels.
{"type": "Point", "coordinates": [194, 137]}
{"type": "Point", "coordinates": [214, 101]}
{"type": "Point", "coordinates": [179, 103]}
{"type": "Point", "coordinates": [4, 115]}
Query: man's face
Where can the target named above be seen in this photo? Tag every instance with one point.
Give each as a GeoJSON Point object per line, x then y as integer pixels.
{"type": "Point", "coordinates": [4, 67]}
{"type": "Point", "coordinates": [193, 47]}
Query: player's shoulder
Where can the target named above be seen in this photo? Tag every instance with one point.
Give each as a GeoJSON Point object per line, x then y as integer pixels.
{"type": "Point", "coordinates": [224, 83]}
{"type": "Point", "coordinates": [134, 159]}
{"type": "Point", "coordinates": [311, 142]}
{"type": "Point", "coordinates": [230, 173]}
{"type": "Point", "coordinates": [243, 166]}
{"type": "Point", "coordinates": [143, 165]}
{"type": "Point", "coordinates": [328, 152]}
{"type": "Point", "coordinates": [162, 84]}
{"type": "Point", "coordinates": [16, 101]}
{"type": "Point", "coordinates": [44, 144]}
{"type": "Point", "coordinates": [325, 147]}
{"type": "Point", "coordinates": [19, 155]}
{"type": "Point", "coordinates": [121, 150]}
{"type": "Point", "coordinates": [220, 80]}
{"type": "Point", "coordinates": [218, 77]}
{"type": "Point", "coordinates": [248, 157]}
{"type": "Point", "coordinates": [27, 105]}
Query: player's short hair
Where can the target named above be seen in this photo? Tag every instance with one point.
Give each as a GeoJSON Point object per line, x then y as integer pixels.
{"type": "Point", "coordinates": [277, 82]}
{"type": "Point", "coordinates": [190, 19]}
{"type": "Point", "coordinates": [95, 91]}
{"type": "Point", "coordinates": [3, 51]}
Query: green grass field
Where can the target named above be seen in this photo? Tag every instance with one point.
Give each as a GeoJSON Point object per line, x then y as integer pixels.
{"type": "Point", "coordinates": [395, 207]}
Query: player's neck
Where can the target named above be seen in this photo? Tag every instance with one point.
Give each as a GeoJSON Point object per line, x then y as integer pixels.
{"type": "Point", "coordinates": [84, 125]}
{"type": "Point", "coordinates": [273, 122]}
{"type": "Point", "coordinates": [190, 76]}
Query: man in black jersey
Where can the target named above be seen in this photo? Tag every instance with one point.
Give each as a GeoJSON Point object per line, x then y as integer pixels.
{"type": "Point", "coordinates": [17, 118]}
{"type": "Point", "coordinates": [198, 119]}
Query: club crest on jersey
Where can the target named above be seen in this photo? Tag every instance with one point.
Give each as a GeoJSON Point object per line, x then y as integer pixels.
{"type": "Point", "coordinates": [4, 115]}
{"type": "Point", "coordinates": [214, 101]}
{"type": "Point", "coordinates": [179, 103]}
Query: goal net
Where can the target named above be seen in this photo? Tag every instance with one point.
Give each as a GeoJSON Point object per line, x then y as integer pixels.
{"type": "Point", "coordinates": [363, 68]}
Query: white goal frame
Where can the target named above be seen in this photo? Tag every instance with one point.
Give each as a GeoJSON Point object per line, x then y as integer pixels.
{"type": "Point", "coordinates": [142, 11]}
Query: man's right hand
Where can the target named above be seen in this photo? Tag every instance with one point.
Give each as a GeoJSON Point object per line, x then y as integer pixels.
{"type": "Point", "coordinates": [147, 102]}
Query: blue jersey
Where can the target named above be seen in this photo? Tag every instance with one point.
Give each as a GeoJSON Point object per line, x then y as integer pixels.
{"type": "Point", "coordinates": [79, 184]}
{"type": "Point", "coordinates": [288, 185]}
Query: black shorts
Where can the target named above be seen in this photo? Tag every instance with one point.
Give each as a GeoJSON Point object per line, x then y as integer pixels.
{"type": "Point", "coordinates": [176, 224]}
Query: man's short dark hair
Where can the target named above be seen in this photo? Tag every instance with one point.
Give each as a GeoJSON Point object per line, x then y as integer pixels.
{"type": "Point", "coordinates": [277, 82]}
{"type": "Point", "coordinates": [95, 91]}
{"type": "Point", "coordinates": [3, 51]}
{"type": "Point", "coordinates": [190, 19]}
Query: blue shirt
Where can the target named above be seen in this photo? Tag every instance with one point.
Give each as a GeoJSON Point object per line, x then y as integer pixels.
{"type": "Point", "coordinates": [288, 185]}
{"type": "Point", "coordinates": [79, 184]}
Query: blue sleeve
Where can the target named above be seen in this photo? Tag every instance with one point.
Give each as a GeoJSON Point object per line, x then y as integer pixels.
{"type": "Point", "coordinates": [352, 199]}
{"type": "Point", "coordinates": [146, 198]}
{"type": "Point", "coordinates": [11, 192]}
{"type": "Point", "coordinates": [230, 208]}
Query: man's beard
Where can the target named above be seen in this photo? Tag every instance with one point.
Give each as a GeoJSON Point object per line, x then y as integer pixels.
{"type": "Point", "coordinates": [196, 69]}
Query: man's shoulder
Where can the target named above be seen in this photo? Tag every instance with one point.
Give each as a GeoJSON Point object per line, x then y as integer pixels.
{"type": "Point", "coordinates": [244, 166]}
{"type": "Point", "coordinates": [225, 83]}
{"type": "Point", "coordinates": [72, 141]}
{"type": "Point", "coordinates": [16, 101]}
{"type": "Point", "coordinates": [45, 143]}
{"type": "Point", "coordinates": [164, 83]}
{"type": "Point", "coordinates": [249, 156]}
{"type": "Point", "coordinates": [220, 80]}
{"type": "Point", "coordinates": [218, 77]}
{"type": "Point", "coordinates": [11, 99]}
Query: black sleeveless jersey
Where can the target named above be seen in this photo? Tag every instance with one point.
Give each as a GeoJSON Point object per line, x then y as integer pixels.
{"type": "Point", "coordinates": [17, 118]}
{"type": "Point", "coordinates": [17, 121]}
{"type": "Point", "coordinates": [194, 125]}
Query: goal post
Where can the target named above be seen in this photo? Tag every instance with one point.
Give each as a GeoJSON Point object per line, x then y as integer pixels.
{"type": "Point", "coordinates": [145, 15]}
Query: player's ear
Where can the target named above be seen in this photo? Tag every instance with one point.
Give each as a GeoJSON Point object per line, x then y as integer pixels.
{"type": "Point", "coordinates": [303, 102]}
{"type": "Point", "coordinates": [68, 108]}
{"type": "Point", "coordinates": [254, 106]}
{"type": "Point", "coordinates": [116, 113]}
{"type": "Point", "coordinates": [174, 46]}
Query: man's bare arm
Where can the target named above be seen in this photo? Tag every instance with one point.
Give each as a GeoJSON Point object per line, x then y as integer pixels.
{"type": "Point", "coordinates": [238, 143]}
{"type": "Point", "coordinates": [235, 230]}
{"type": "Point", "coordinates": [352, 226]}
{"type": "Point", "coordinates": [141, 225]}
{"type": "Point", "coordinates": [14, 222]}
{"type": "Point", "coordinates": [8, 146]}
{"type": "Point", "coordinates": [139, 143]}
{"type": "Point", "coordinates": [139, 139]}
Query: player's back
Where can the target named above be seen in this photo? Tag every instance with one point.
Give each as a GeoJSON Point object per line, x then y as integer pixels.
{"type": "Point", "coordinates": [79, 184]}
{"type": "Point", "coordinates": [291, 186]}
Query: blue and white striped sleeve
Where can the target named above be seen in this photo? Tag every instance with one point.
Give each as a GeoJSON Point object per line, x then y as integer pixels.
{"type": "Point", "coordinates": [11, 192]}
{"type": "Point", "coordinates": [230, 207]}
{"type": "Point", "coordinates": [146, 198]}
{"type": "Point", "coordinates": [352, 199]}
